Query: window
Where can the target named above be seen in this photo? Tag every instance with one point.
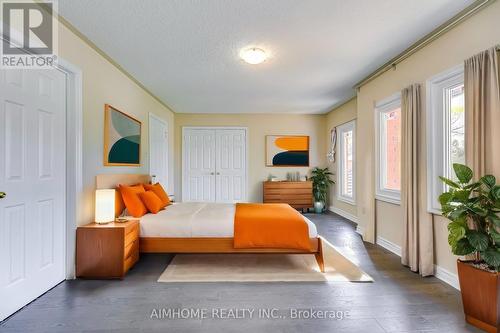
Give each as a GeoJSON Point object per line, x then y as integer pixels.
{"type": "Point", "coordinates": [388, 149]}
{"type": "Point", "coordinates": [445, 131]}
{"type": "Point", "coordinates": [346, 163]}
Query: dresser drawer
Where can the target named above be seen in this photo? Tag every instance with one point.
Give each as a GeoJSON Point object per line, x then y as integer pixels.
{"type": "Point", "coordinates": [300, 202]}
{"type": "Point", "coordinates": [306, 191]}
{"type": "Point", "coordinates": [288, 185]}
{"type": "Point", "coordinates": [287, 196]}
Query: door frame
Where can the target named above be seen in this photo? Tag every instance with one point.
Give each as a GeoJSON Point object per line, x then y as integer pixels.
{"type": "Point", "coordinates": [183, 168]}
{"type": "Point", "coordinates": [74, 160]}
{"type": "Point", "coordinates": [164, 122]}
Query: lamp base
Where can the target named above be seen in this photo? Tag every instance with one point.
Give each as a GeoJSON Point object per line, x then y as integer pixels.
{"type": "Point", "coordinates": [105, 222]}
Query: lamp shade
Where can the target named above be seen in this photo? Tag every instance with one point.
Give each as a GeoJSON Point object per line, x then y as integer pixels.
{"type": "Point", "coordinates": [104, 206]}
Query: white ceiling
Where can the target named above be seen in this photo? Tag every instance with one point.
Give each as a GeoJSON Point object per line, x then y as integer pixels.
{"type": "Point", "coordinates": [186, 51]}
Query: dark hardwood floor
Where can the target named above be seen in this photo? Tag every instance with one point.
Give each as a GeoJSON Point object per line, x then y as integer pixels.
{"type": "Point", "coordinates": [398, 300]}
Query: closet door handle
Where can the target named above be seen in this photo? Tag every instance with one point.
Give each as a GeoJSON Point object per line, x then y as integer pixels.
{"type": "Point", "coordinates": [212, 173]}
{"type": "Point", "coordinates": [218, 173]}
{"type": "Point", "coordinates": [3, 195]}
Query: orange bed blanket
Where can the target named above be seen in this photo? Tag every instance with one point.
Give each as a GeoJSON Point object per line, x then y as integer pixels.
{"type": "Point", "coordinates": [275, 226]}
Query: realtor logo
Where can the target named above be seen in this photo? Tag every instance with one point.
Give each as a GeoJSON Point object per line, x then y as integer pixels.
{"type": "Point", "coordinates": [29, 35]}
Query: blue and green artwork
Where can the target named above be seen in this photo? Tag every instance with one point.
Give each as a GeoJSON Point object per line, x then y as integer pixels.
{"type": "Point", "coordinates": [122, 141]}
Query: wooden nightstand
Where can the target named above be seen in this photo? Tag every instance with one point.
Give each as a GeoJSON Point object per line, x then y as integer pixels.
{"type": "Point", "coordinates": [106, 251]}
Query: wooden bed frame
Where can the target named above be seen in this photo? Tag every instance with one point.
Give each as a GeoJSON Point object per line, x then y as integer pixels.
{"type": "Point", "coordinates": [219, 245]}
{"type": "Point", "coordinates": [196, 245]}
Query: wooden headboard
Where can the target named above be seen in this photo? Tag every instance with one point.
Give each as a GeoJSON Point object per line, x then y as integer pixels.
{"type": "Point", "coordinates": [112, 180]}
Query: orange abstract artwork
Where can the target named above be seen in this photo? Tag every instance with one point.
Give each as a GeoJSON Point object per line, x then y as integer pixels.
{"type": "Point", "coordinates": [287, 150]}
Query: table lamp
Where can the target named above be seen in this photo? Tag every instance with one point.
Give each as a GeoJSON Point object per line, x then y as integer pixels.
{"type": "Point", "coordinates": [104, 206]}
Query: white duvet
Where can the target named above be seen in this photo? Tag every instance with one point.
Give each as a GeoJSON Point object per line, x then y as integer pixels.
{"type": "Point", "coordinates": [196, 219]}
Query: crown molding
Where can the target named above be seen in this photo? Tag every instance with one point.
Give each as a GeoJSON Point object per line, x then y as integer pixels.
{"type": "Point", "coordinates": [426, 40]}
{"type": "Point", "coordinates": [103, 54]}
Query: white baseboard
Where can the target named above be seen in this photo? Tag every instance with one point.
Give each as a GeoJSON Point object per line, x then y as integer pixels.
{"type": "Point", "coordinates": [439, 272]}
{"type": "Point", "coordinates": [446, 276]}
{"type": "Point", "coordinates": [360, 230]}
{"type": "Point", "coordinates": [390, 246]}
{"type": "Point", "coordinates": [442, 274]}
{"type": "Point", "coordinates": [344, 214]}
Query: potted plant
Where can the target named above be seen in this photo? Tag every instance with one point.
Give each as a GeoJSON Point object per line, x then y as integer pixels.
{"type": "Point", "coordinates": [474, 231]}
{"type": "Point", "coordinates": [321, 183]}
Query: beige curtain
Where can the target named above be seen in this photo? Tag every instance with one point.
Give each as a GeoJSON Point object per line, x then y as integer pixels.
{"type": "Point", "coordinates": [417, 250]}
{"type": "Point", "coordinates": [482, 112]}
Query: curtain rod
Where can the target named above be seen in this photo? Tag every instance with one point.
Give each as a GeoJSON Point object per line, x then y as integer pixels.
{"type": "Point", "coordinates": [427, 39]}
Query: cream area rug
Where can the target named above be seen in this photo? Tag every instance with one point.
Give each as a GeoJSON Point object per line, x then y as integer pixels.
{"type": "Point", "coordinates": [262, 268]}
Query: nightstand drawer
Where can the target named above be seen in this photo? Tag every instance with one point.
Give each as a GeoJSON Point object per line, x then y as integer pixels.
{"type": "Point", "coordinates": [130, 261]}
{"type": "Point", "coordinates": [131, 249]}
{"type": "Point", "coordinates": [131, 234]}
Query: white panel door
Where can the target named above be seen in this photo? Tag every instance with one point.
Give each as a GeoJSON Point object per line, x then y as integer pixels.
{"type": "Point", "coordinates": [230, 165]}
{"type": "Point", "coordinates": [199, 165]}
{"type": "Point", "coordinates": [158, 150]}
{"type": "Point", "coordinates": [32, 173]}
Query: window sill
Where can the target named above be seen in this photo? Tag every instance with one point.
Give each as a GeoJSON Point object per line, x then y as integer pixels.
{"type": "Point", "coordinates": [435, 211]}
{"type": "Point", "coordinates": [391, 200]}
{"type": "Point", "coordinates": [351, 202]}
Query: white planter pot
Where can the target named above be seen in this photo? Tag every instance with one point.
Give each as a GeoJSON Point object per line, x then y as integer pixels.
{"type": "Point", "coordinates": [318, 207]}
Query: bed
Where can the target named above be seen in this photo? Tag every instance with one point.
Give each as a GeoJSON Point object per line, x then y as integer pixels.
{"type": "Point", "coordinates": [196, 227]}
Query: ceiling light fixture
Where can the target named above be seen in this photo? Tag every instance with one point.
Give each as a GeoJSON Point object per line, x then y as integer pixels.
{"type": "Point", "coordinates": [253, 55]}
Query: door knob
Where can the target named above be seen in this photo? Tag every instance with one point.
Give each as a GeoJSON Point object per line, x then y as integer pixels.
{"type": "Point", "coordinates": [212, 173]}
{"type": "Point", "coordinates": [3, 195]}
{"type": "Point", "coordinates": [218, 173]}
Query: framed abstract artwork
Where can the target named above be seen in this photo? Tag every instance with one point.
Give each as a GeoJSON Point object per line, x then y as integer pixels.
{"type": "Point", "coordinates": [287, 151]}
{"type": "Point", "coordinates": [122, 138]}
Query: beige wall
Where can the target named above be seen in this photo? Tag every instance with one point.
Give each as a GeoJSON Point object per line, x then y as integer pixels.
{"type": "Point", "coordinates": [389, 221]}
{"type": "Point", "coordinates": [338, 116]}
{"type": "Point", "coordinates": [470, 37]}
{"type": "Point", "coordinates": [104, 83]}
{"type": "Point", "coordinates": [259, 125]}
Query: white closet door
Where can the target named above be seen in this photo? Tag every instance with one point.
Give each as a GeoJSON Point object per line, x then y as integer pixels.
{"type": "Point", "coordinates": [231, 165]}
{"type": "Point", "coordinates": [33, 174]}
{"type": "Point", "coordinates": [158, 150]}
{"type": "Point", "coordinates": [199, 165]}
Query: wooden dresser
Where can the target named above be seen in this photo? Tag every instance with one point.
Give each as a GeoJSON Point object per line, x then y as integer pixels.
{"type": "Point", "coordinates": [297, 194]}
{"type": "Point", "coordinates": [106, 251]}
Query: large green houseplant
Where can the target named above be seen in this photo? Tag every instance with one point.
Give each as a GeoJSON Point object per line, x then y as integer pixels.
{"type": "Point", "coordinates": [474, 231]}
{"type": "Point", "coordinates": [473, 207]}
{"type": "Point", "coordinates": [321, 183]}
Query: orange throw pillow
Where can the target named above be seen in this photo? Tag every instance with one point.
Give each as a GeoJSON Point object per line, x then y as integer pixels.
{"type": "Point", "coordinates": [119, 204]}
{"type": "Point", "coordinates": [151, 200]}
{"type": "Point", "coordinates": [134, 204]}
{"type": "Point", "coordinates": [160, 192]}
